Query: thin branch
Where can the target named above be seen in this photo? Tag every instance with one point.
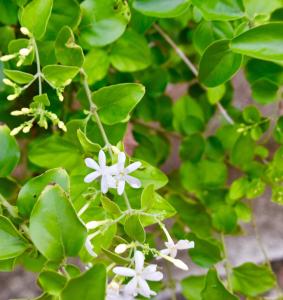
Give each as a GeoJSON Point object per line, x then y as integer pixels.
{"type": "Point", "coordinates": [191, 66]}
{"type": "Point", "coordinates": [227, 264]}
{"type": "Point", "coordinates": [37, 66]}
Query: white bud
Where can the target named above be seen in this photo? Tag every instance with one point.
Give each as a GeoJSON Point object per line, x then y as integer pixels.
{"type": "Point", "coordinates": [24, 51]}
{"type": "Point", "coordinates": [179, 264]}
{"type": "Point", "coordinates": [62, 126]}
{"type": "Point", "coordinates": [12, 97]}
{"type": "Point", "coordinates": [121, 248]}
{"type": "Point", "coordinates": [24, 31]}
{"type": "Point", "coordinates": [60, 96]}
{"type": "Point", "coordinates": [7, 57]}
{"type": "Point", "coordinates": [8, 82]}
{"type": "Point", "coordinates": [16, 113]}
{"type": "Point", "coordinates": [25, 110]}
{"type": "Point", "coordinates": [27, 128]}
{"type": "Point", "coordinates": [95, 224]}
{"type": "Point", "coordinates": [16, 130]}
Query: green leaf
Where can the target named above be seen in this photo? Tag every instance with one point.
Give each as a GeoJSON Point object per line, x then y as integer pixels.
{"type": "Point", "coordinates": [12, 242]}
{"type": "Point", "coordinates": [16, 45]}
{"type": "Point", "coordinates": [216, 94]}
{"type": "Point", "coordinates": [134, 228]}
{"type": "Point", "coordinates": [8, 12]}
{"type": "Point", "coordinates": [58, 75]}
{"type": "Point", "coordinates": [218, 64]}
{"type": "Point", "coordinates": [110, 206]}
{"type": "Point", "coordinates": [262, 42]}
{"type": "Point", "coordinates": [278, 131]}
{"type": "Point", "coordinates": [206, 252]}
{"type": "Point", "coordinates": [225, 219]}
{"type": "Point", "coordinates": [130, 53]}
{"type": "Point", "coordinates": [161, 8]}
{"type": "Point", "coordinates": [214, 289]}
{"type": "Point", "coordinates": [264, 91]}
{"type": "Point", "coordinates": [9, 152]}
{"type": "Point", "coordinates": [7, 265]}
{"type": "Point", "coordinates": [103, 22]}
{"type": "Point", "coordinates": [64, 13]}
{"type": "Point", "coordinates": [192, 147]}
{"type": "Point", "coordinates": [41, 153]}
{"type": "Point", "coordinates": [192, 287]}
{"type": "Point", "coordinates": [260, 7]}
{"type": "Point", "coordinates": [19, 76]}
{"type": "Point", "coordinates": [30, 192]}
{"type": "Point", "coordinates": [238, 188]}
{"type": "Point", "coordinates": [238, 156]}
{"type": "Point", "coordinates": [86, 143]}
{"type": "Point", "coordinates": [147, 197]}
{"type": "Point", "coordinates": [55, 228]}
{"type": "Point", "coordinates": [220, 10]}
{"type": "Point", "coordinates": [115, 102]}
{"type": "Point", "coordinates": [67, 51]}
{"type": "Point", "coordinates": [35, 16]}
{"type": "Point", "coordinates": [51, 282]}
{"type": "Point", "coordinates": [96, 65]}
{"type": "Point", "coordinates": [7, 34]}
{"type": "Point", "coordinates": [252, 280]}
{"type": "Point", "coordinates": [88, 286]}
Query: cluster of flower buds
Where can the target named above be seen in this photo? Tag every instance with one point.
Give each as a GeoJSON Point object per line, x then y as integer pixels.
{"type": "Point", "coordinates": [23, 53]}
{"type": "Point", "coordinates": [17, 89]}
{"type": "Point", "coordinates": [38, 114]}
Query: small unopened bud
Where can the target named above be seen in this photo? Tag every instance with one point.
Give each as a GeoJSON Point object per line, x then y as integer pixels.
{"type": "Point", "coordinates": [27, 128]}
{"type": "Point", "coordinates": [24, 31]}
{"type": "Point", "coordinates": [12, 97]}
{"type": "Point", "coordinates": [20, 61]}
{"type": "Point", "coordinates": [8, 82]}
{"type": "Point", "coordinates": [24, 51]}
{"type": "Point", "coordinates": [60, 96]}
{"type": "Point", "coordinates": [62, 126]}
{"type": "Point", "coordinates": [7, 57]}
{"type": "Point", "coordinates": [95, 224]}
{"type": "Point", "coordinates": [121, 248]}
{"type": "Point", "coordinates": [16, 130]}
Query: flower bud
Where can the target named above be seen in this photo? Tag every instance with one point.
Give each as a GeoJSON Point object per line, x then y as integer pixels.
{"type": "Point", "coordinates": [62, 126]}
{"type": "Point", "coordinates": [12, 97]}
{"type": "Point", "coordinates": [24, 51]}
{"type": "Point", "coordinates": [24, 31]}
{"type": "Point", "coordinates": [8, 82]}
{"type": "Point", "coordinates": [7, 57]}
{"type": "Point", "coordinates": [16, 130]}
{"type": "Point", "coordinates": [121, 248]}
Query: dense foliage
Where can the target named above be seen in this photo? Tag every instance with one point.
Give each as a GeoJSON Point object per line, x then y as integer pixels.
{"type": "Point", "coordinates": [81, 81]}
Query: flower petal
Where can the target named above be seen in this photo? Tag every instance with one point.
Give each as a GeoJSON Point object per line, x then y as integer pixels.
{"type": "Point", "coordinates": [139, 261]}
{"type": "Point", "coordinates": [121, 187]}
{"type": "Point", "coordinates": [104, 184]}
{"type": "Point", "coordinates": [92, 176]}
{"type": "Point", "coordinates": [102, 159]}
{"type": "Point", "coordinates": [131, 286]}
{"type": "Point", "coordinates": [150, 273]}
{"type": "Point", "coordinates": [133, 182]}
{"type": "Point", "coordinates": [91, 163]}
{"type": "Point", "coordinates": [121, 160]}
{"type": "Point", "coordinates": [185, 244]}
{"type": "Point", "coordinates": [165, 251]}
{"type": "Point", "coordinates": [143, 288]}
{"type": "Point", "coordinates": [133, 167]}
{"type": "Point", "coordinates": [127, 272]}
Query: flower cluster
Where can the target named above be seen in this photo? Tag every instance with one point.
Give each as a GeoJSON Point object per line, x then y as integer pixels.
{"type": "Point", "coordinates": [115, 176]}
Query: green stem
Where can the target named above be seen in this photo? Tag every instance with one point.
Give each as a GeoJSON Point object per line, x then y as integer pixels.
{"type": "Point", "coordinates": [93, 111]}
{"type": "Point", "coordinates": [10, 208]}
{"type": "Point", "coordinates": [227, 264]}
{"type": "Point", "coordinates": [37, 58]}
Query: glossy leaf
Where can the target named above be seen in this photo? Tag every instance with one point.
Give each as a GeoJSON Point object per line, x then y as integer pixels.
{"type": "Point", "coordinates": [13, 243]}
{"type": "Point", "coordinates": [218, 64]}
{"type": "Point", "coordinates": [161, 8]}
{"type": "Point", "coordinates": [9, 152]}
{"type": "Point", "coordinates": [35, 16]}
{"type": "Point", "coordinates": [30, 192]}
{"type": "Point", "coordinates": [134, 229]}
{"type": "Point", "coordinates": [54, 223]}
{"type": "Point", "coordinates": [262, 42]}
{"type": "Point", "coordinates": [19, 76]}
{"type": "Point", "coordinates": [117, 101]}
{"type": "Point", "coordinates": [52, 282]}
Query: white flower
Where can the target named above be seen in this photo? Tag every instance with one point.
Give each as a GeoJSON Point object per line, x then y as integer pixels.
{"type": "Point", "coordinates": [24, 51]}
{"type": "Point", "coordinates": [138, 284]}
{"type": "Point", "coordinates": [101, 170]}
{"type": "Point", "coordinates": [115, 292]}
{"type": "Point", "coordinates": [172, 248]}
{"type": "Point", "coordinates": [121, 174]}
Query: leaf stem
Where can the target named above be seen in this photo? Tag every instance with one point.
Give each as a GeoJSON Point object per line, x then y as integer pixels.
{"type": "Point", "coordinates": [227, 264]}
{"type": "Point", "coordinates": [190, 65]}
{"type": "Point", "coordinates": [38, 74]}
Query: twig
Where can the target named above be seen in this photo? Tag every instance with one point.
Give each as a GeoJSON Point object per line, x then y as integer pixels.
{"type": "Point", "coordinates": [191, 66]}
